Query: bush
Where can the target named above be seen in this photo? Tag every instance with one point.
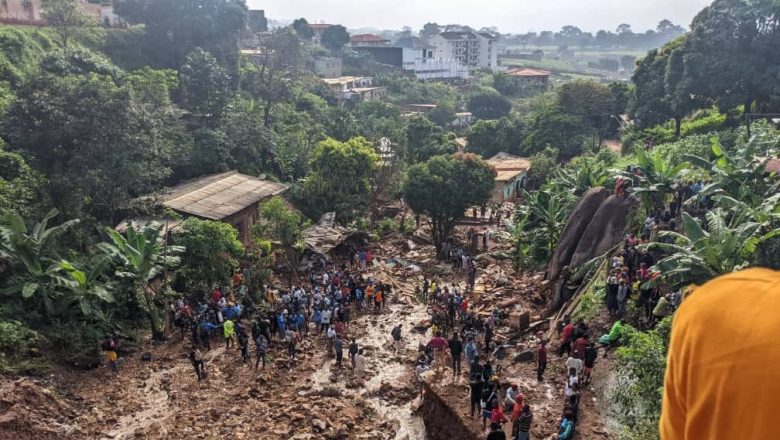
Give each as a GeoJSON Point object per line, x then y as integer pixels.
{"type": "Point", "coordinates": [590, 305]}
{"type": "Point", "coordinates": [76, 343]}
{"type": "Point", "coordinates": [17, 343]}
{"type": "Point", "coordinates": [387, 226]}
{"type": "Point", "coordinates": [640, 366]}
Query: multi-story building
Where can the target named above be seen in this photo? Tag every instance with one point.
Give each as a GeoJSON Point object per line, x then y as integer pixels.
{"type": "Point", "coordinates": [414, 55]}
{"type": "Point", "coordinates": [472, 49]}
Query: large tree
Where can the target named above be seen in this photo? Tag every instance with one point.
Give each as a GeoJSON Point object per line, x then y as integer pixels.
{"type": "Point", "coordinates": [335, 37]}
{"type": "Point", "coordinates": [213, 250]}
{"type": "Point", "coordinates": [205, 85]}
{"type": "Point", "coordinates": [66, 18]}
{"type": "Point", "coordinates": [664, 87]}
{"type": "Point", "coordinates": [590, 101]}
{"type": "Point", "coordinates": [731, 50]}
{"type": "Point", "coordinates": [339, 180]}
{"type": "Point", "coordinates": [96, 143]}
{"type": "Point", "coordinates": [302, 28]}
{"type": "Point", "coordinates": [284, 226]}
{"type": "Point", "coordinates": [443, 187]}
{"type": "Point", "coordinates": [272, 75]}
{"type": "Point", "coordinates": [489, 105]}
{"type": "Point", "coordinates": [424, 139]}
{"type": "Point", "coordinates": [174, 28]}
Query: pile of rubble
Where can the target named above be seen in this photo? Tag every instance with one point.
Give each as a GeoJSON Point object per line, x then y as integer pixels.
{"type": "Point", "coordinates": [29, 410]}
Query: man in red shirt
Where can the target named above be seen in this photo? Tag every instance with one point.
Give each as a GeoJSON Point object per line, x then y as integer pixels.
{"type": "Point", "coordinates": [216, 295]}
{"type": "Point", "coordinates": [541, 359]}
{"type": "Point", "coordinates": [579, 346]}
{"type": "Point", "coordinates": [566, 337]}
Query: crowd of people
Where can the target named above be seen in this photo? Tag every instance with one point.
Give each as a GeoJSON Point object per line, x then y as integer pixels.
{"type": "Point", "coordinates": [325, 307]}
{"type": "Point", "coordinates": [322, 309]}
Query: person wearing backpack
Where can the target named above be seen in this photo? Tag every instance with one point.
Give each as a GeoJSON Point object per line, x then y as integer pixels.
{"type": "Point", "coordinates": [196, 357]}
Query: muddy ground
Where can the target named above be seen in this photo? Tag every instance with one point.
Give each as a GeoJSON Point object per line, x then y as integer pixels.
{"type": "Point", "coordinates": [309, 398]}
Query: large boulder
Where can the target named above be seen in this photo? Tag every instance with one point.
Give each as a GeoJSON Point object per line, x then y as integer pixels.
{"type": "Point", "coordinates": [576, 225]}
{"type": "Point", "coordinates": [606, 229]}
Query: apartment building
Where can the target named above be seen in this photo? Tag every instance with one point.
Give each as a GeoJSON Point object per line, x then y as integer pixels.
{"type": "Point", "coordinates": [472, 49]}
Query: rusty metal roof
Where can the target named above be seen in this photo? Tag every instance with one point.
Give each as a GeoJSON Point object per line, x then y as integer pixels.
{"type": "Point", "coordinates": [221, 195]}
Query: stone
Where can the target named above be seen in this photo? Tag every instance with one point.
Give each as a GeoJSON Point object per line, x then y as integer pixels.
{"type": "Point", "coordinates": [524, 356]}
{"type": "Point", "coordinates": [519, 321]}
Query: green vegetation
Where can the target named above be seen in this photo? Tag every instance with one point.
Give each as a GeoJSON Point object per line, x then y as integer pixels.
{"type": "Point", "coordinates": [430, 190]}
{"type": "Point", "coordinates": [212, 253]}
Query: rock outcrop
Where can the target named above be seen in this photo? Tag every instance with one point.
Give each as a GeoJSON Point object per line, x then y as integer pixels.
{"type": "Point", "coordinates": [575, 227]}
{"type": "Point", "coordinates": [605, 230]}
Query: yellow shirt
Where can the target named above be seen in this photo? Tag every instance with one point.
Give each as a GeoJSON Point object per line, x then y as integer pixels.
{"type": "Point", "coordinates": [723, 369]}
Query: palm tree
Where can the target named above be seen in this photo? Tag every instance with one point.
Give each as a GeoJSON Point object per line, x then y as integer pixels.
{"type": "Point", "coordinates": [143, 257]}
{"type": "Point", "coordinates": [656, 178]}
{"type": "Point", "coordinates": [36, 267]}
{"type": "Point", "coordinates": [698, 255]}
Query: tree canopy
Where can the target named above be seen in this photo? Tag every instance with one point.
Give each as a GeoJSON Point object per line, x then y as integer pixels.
{"type": "Point", "coordinates": [443, 187]}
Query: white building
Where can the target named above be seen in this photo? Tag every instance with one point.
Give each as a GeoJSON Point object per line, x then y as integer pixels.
{"type": "Point", "coordinates": [472, 49]}
{"type": "Point", "coordinates": [355, 88]}
{"type": "Point", "coordinates": [420, 57]}
{"type": "Point", "coordinates": [414, 55]}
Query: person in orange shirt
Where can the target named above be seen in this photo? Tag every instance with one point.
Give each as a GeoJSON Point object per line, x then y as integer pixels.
{"type": "Point", "coordinates": [723, 364]}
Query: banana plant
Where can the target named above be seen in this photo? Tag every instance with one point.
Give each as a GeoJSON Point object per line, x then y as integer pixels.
{"type": "Point", "coordinates": [37, 275]}
{"type": "Point", "coordinates": [143, 256]}
{"type": "Point", "coordinates": [656, 179]}
{"type": "Point", "coordinates": [741, 174]}
{"type": "Point", "coordinates": [698, 254]}
{"type": "Point", "coordinates": [89, 294]}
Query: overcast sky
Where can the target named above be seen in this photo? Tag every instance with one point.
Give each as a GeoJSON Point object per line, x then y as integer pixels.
{"type": "Point", "coordinates": [507, 15]}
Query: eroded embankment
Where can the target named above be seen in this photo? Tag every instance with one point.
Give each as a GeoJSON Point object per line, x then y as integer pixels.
{"type": "Point", "coordinates": [441, 420]}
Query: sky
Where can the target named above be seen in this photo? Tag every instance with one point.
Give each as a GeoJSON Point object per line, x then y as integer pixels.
{"type": "Point", "coordinates": [508, 15]}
